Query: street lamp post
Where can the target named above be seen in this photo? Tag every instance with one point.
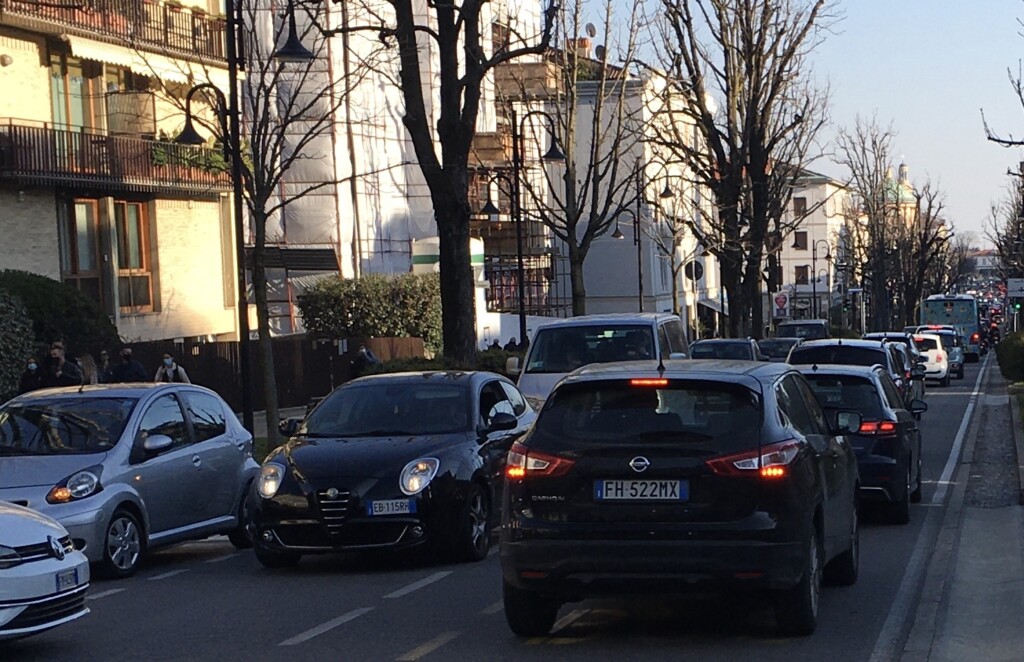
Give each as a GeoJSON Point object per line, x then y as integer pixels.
{"type": "Point", "coordinates": [828, 290]}
{"type": "Point", "coordinates": [816, 308]}
{"type": "Point", "coordinates": [617, 234]}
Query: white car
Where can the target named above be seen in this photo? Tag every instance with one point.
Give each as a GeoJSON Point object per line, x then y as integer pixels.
{"type": "Point", "coordinates": [43, 578]}
{"type": "Point", "coordinates": [936, 364]}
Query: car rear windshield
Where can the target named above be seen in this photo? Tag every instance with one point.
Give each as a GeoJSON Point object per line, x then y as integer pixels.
{"type": "Point", "coordinates": [702, 415]}
{"type": "Point", "coordinates": [925, 344]}
{"type": "Point", "coordinates": [63, 426]}
{"type": "Point", "coordinates": [777, 348]}
{"type": "Point", "coordinates": [949, 340]}
{"type": "Point", "coordinates": [807, 331]}
{"type": "Point", "coordinates": [721, 350]}
{"type": "Point", "coordinates": [564, 349]}
{"type": "Point", "coordinates": [838, 354]}
{"type": "Point", "coordinates": [391, 408]}
{"type": "Point", "coordinates": [847, 392]}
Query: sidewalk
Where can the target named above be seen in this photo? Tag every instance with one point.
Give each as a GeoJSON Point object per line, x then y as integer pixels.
{"type": "Point", "coordinates": [260, 419]}
{"type": "Point", "coordinates": [972, 602]}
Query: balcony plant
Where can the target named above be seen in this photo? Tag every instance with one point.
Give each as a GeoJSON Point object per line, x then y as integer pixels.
{"type": "Point", "coordinates": [174, 5]}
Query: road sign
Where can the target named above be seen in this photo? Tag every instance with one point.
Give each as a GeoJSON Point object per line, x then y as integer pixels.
{"type": "Point", "coordinates": [693, 270]}
{"type": "Point", "coordinates": [1015, 287]}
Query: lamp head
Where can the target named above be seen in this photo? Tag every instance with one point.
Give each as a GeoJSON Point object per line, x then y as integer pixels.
{"type": "Point", "coordinates": [490, 209]}
{"type": "Point", "coordinates": [618, 233]}
{"type": "Point", "coordinates": [554, 153]}
{"type": "Point", "coordinates": [666, 192]}
{"type": "Point", "coordinates": [293, 51]}
{"type": "Point", "coordinates": [189, 135]}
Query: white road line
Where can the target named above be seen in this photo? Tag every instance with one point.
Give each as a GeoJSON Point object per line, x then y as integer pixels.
{"type": "Point", "coordinates": [954, 454]}
{"type": "Point", "coordinates": [326, 627]}
{"type": "Point", "coordinates": [103, 594]}
{"type": "Point", "coordinates": [223, 558]}
{"type": "Point", "coordinates": [569, 619]}
{"type": "Point", "coordinates": [428, 648]}
{"type": "Point", "coordinates": [494, 608]}
{"type": "Point", "coordinates": [172, 573]}
{"type": "Point", "coordinates": [415, 586]}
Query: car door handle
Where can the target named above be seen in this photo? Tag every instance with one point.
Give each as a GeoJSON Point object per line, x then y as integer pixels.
{"type": "Point", "coordinates": [196, 462]}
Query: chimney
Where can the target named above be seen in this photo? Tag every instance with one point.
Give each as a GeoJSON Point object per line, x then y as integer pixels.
{"type": "Point", "coordinates": [904, 173]}
{"type": "Point", "coordinates": [581, 47]}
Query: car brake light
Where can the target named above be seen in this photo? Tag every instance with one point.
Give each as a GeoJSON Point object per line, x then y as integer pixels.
{"type": "Point", "coordinates": [940, 358]}
{"type": "Point", "coordinates": [974, 337]}
{"type": "Point", "coordinates": [648, 382]}
{"type": "Point", "coordinates": [770, 462]}
{"type": "Point", "coordinates": [906, 374]}
{"type": "Point", "coordinates": [877, 428]}
{"type": "Point", "coordinates": [523, 462]}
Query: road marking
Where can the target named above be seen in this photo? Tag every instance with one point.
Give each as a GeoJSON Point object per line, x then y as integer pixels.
{"type": "Point", "coordinates": [958, 442]}
{"type": "Point", "coordinates": [494, 609]}
{"type": "Point", "coordinates": [428, 648]}
{"type": "Point", "coordinates": [223, 558]}
{"type": "Point", "coordinates": [560, 624]}
{"type": "Point", "coordinates": [415, 586]}
{"type": "Point", "coordinates": [103, 594]}
{"type": "Point", "coordinates": [172, 573]}
{"type": "Point", "coordinates": [326, 627]}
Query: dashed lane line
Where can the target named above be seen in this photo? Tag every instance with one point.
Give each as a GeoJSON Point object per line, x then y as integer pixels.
{"type": "Point", "coordinates": [429, 647]}
{"type": "Point", "coordinates": [167, 575]}
{"type": "Point", "coordinates": [417, 585]}
{"type": "Point", "coordinates": [104, 594]}
{"type": "Point", "coordinates": [326, 627]}
{"type": "Point", "coordinates": [494, 608]}
{"type": "Point", "coordinates": [222, 558]}
{"type": "Point", "coordinates": [939, 496]}
{"type": "Point", "coordinates": [560, 624]}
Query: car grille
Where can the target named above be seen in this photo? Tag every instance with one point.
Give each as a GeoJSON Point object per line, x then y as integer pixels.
{"type": "Point", "coordinates": [49, 610]}
{"type": "Point", "coordinates": [42, 551]}
{"type": "Point", "coordinates": [334, 511]}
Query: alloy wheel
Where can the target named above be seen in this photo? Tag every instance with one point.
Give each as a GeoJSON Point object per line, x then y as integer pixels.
{"type": "Point", "coordinates": [478, 517]}
{"type": "Point", "coordinates": [123, 543]}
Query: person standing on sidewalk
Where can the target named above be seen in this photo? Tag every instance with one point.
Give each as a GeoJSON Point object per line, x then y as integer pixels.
{"type": "Point", "coordinates": [170, 371]}
{"type": "Point", "coordinates": [130, 370]}
{"type": "Point", "coordinates": [59, 371]}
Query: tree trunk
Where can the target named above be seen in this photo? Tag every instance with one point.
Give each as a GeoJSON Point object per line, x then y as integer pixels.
{"type": "Point", "coordinates": [676, 308]}
{"type": "Point", "coordinates": [579, 287]}
{"type": "Point", "coordinates": [458, 300]}
{"type": "Point", "coordinates": [266, 349]}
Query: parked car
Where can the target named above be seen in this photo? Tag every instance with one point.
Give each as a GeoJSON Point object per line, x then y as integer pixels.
{"type": "Point", "coordinates": [777, 349]}
{"type": "Point", "coordinates": [559, 347]}
{"type": "Point", "coordinates": [43, 578]}
{"type": "Point", "coordinates": [635, 479]}
{"type": "Point", "coordinates": [803, 329]}
{"type": "Point", "coordinates": [936, 363]}
{"type": "Point", "coordinates": [388, 462]}
{"type": "Point", "coordinates": [856, 352]}
{"type": "Point", "coordinates": [888, 442]}
{"type": "Point", "coordinates": [742, 349]}
{"type": "Point", "coordinates": [127, 468]}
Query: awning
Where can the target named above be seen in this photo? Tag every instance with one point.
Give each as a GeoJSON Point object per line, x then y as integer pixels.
{"type": "Point", "coordinates": [714, 305]}
{"type": "Point", "coordinates": [148, 64]}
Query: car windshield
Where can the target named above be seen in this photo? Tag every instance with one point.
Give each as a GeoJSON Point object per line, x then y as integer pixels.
{"type": "Point", "coordinates": [703, 415]}
{"type": "Point", "coordinates": [63, 426]}
{"type": "Point", "coordinates": [925, 344]}
{"type": "Point", "coordinates": [807, 331]}
{"type": "Point", "coordinates": [949, 340]}
{"type": "Point", "coordinates": [390, 408]}
{"type": "Point", "coordinates": [720, 350]}
{"type": "Point", "coordinates": [847, 392]}
{"type": "Point", "coordinates": [776, 348]}
{"type": "Point", "coordinates": [838, 354]}
{"type": "Point", "coordinates": [560, 350]}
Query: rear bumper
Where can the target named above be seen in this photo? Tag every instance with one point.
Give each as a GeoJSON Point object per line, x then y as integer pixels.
{"type": "Point", "coordinates": [880, 478]}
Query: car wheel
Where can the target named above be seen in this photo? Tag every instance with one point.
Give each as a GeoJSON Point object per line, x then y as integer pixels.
{"type": "Point", "coordinates": [272, 559]}
{"type": "Point", "coordinates": [122, 546]}
{"type": "Point", "coordinates": [899, 512]}
{"type": "Point", "coordinates": [528, 613]}
{"type": "Point", "coordinates": [242, 535]}
{"type": "Point", "coordinates": [915, 496]}
{"type": "Point", "coordinates": [473, 536]}
{"type": "Point", "coordinates": [796, 609]}
{"type": "Point", "coordinates": [843, 569]}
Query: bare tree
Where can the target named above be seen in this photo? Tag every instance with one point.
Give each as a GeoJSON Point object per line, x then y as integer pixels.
{"type": "Point", "coordinates": [737, 70]}
{"type": "Point", "coordinates": [1006, 229]}
{"type": "Point", "coordinates": [922, 260]}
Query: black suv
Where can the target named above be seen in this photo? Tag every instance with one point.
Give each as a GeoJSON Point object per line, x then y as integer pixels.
{"type": "Point", "coordinates": [857, 352]}
{"type": "Point", "coordinates": [705, 474]}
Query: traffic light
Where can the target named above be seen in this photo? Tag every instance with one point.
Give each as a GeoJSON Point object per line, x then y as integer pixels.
{"type": "Point", "coordinates": [846, 305]}
{"type": "Point", "coordinates": [1016, 306]}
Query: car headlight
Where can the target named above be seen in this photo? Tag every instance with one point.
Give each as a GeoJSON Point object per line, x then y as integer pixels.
{"type": "Point", "coordinates": [417, 475]}
{"type": "Point", "coordinates": [8, 558]}
{"type": "Point", "coordinates": [76, 486]}
{"type": "Point", "coordinates": [269, 482]}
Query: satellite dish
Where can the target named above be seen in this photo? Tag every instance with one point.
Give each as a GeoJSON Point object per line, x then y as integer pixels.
{"type": "Point", "coordinates": [599, 52]}
{"type": "Point", "coordinates": [591, 30]}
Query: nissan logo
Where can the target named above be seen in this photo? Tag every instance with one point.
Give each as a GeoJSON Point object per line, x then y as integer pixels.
{"type": "Point", "coordinates": [56, 547]}
{"type": "Point", "coordinates": [639, 464]}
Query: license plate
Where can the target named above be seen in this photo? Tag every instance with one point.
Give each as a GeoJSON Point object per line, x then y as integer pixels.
{"type": "Point", "coordinates": [641, 490]}
{"type": "Point", "coordinates": [67, 579]}
{"type": "Point", "coordinates": [391, 507]}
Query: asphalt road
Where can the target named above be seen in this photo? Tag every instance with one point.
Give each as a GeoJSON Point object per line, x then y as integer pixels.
{"type": "Point", "coordinates": [205, 601]}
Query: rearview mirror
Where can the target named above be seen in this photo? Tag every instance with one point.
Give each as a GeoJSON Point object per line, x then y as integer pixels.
{"type": "Point", "coordinates": [502, 421]}
{"type": "Point", "coordinates": [512, 365]}
{"type": "Point", "coordinates": [918, 406]}
{"type": "Point", "coordinates": [847, 422]}
{"type": "Point", "coordinates": [157, 443]}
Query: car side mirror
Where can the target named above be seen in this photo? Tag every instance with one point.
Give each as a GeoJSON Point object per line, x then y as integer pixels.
{"type": "Point", "coordinates": [675, 356]}
{"type": "Point", "coordinates": [512, 365]}
{"type": "Point", "coordinates": [847, 422]}
{"type": "Point", "coordinates": [502, 421]}
{"type": "Point", "coordinates": [157, 443]}
{"type": "Point", "coordinates": [289, 426]}
{"type": "Point", "coordinates": [918, 406]}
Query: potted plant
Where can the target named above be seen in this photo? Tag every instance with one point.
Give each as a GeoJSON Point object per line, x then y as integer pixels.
{"type": "Point", "coordinates": [198, 11]}
{"type": "Point", "coordinates": [174, 5]}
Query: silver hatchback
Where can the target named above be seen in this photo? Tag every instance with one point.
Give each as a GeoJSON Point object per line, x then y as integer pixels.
{"type": "Point", "coordinates": [126, 468]}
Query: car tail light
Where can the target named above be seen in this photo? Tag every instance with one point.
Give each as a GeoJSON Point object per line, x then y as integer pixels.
{"type": "Point", "coordinates": [940, 358]}
{"type": "Point", "coordinates": [906, 374]}
{"type": "Point", "coordinates": [877, 428]}
{"type": "Point", "coordinates": [523, 462]}
{"type": "Point", "coordinates": [975, 337]}
{"type": "Point", "coordinates": [648, 382]}
{"type": "Point", "coordinates": [769, 462]}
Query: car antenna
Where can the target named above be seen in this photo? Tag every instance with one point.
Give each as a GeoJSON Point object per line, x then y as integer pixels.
{"type": "Point", "coordinates": [661, 363]}
{"type": "Point", "coordinates": [814, 368]}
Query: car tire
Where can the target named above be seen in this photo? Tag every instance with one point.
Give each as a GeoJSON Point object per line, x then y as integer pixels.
{"type": "Point", "coordinates": [472, 538]}
{"type": "Point", "coordinates": [899, 511]}
{"type": "Point", "coordinates": [915, 496]}
{"type": "Point", "coordinates": [945, 380]}
{"type": "Point", "coordinates": [272, 559]}
{"type": "Point", "coordinates": [796, 608]}
{"type": "Point", "coordinates": [242, 535]}
{"type": "Point", "coordinates": [123, 544]}
{"type": "Point", "coordinates": [528, 613]}
{"type": "Point", "coordinates": [843, 569]}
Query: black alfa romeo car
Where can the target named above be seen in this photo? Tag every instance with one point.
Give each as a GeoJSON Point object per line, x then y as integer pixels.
{"type": "Point", "coordinates": [390, 462]}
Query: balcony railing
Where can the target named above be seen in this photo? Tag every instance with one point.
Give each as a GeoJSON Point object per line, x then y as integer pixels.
{"type": "Point", "coordinates": [42, 154]}
{"type": "Point", "coordinates": [142, 24]}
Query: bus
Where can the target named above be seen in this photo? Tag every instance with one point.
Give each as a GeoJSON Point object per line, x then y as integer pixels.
{"type": "Point", "coordinates": [959, 311]}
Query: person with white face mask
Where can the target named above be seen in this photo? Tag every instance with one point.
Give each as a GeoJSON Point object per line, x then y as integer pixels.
{"type": "Point", "coordinates": [31, 379]}
{"type": "Point", "coordinates": [170, 371]}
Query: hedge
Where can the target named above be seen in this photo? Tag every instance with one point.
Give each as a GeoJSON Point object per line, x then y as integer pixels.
{"type": "Point", "coordinates": [1010, 354]}
{"type": "Point", "coordinates": [15, 343]}
{"type": "Point", "coordinates": [491, 360]}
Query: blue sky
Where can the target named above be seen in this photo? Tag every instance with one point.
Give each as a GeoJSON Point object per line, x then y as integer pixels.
{"type": "Point", "coordinates": [929, 66]}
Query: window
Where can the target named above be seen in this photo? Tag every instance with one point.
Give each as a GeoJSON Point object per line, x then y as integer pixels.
{"type": "Point", "coordinates": [664, 347]}
{"type": "Point", "coordinates": [802, 275]}
{"type": "Point", "coordinates": [80, 251]}
{"type": "Point", "coordinates": [516, 398]}
{"type": "Point", "coordinates": [892, 394]}
{"type": "Point", "coordinates": [791, 401]}
{"type": "Point", "coordinates": [847, 392]}
{"type": "Point", "coordinates": [164, 417]}
{"type": "Point", "coordinates": [76, 92]}
{"type": "Point", "coordinates": [676, 336]}
{"type": "Point", "coordinates": [800, 240]}
{"type": "Point", "coordinates": [134, 278]}
{"type": "Point", "coordinates": [494, 401]}
{"type": "Point", "coordinates": [800, 209]}
{"type": "Point", "coordinates": [207, 415]}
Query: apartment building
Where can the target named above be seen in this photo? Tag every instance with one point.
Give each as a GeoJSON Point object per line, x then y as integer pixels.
{"type": "Point", "coordinates": [93, 190]}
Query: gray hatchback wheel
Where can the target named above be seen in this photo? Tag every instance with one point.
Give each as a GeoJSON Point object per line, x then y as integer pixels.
{"type": "Point", "coordinates": [122, 545]}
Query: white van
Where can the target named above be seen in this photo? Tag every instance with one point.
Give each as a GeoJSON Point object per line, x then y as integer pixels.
{"type": "Point", "coordinates": [559, 347]}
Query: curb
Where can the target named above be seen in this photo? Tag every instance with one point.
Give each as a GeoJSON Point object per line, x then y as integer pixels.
{"type": "Point", "coordinates": [1018, 442]}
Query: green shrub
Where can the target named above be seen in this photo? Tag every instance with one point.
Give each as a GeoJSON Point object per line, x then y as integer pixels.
{"type": "Point", "coordinates": [59, 311]}
{"type": "Point", "coordinates": [1010, 354]}
{"type": "Point", "coordinates": [491, 360]}
{"type": "Point", "coordinates": [375, 306]}
{"type": "Point", "coordinates": [15, 343]}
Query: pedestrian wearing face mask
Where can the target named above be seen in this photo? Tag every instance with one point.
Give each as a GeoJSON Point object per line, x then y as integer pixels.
{"type": "Point", "coordinates": [31, 379]}
{"type": "Point", "coordinates": [130, 370]}
{"type": "Point", "coordinates": [170, 371]}
{"type": "Point", "coordinates": [59, 371]}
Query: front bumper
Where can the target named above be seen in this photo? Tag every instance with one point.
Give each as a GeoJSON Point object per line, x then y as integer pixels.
{"type": "Point", "coordinates": [30, 602]}
{"type": "Point", "coordinates": [85, 520]}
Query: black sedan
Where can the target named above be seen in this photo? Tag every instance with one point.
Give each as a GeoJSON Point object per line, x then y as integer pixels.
{"type": "Point", "coordinates": [391, 462]}
{"type": "Point", "coordinates": [742, 349]}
